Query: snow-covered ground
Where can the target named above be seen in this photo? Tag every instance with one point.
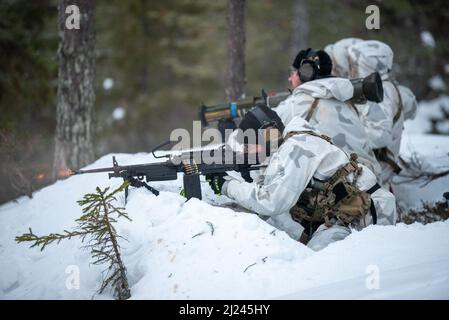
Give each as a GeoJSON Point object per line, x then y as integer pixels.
{"type": "Point", "coordinates": [195, 250]}
{"type": "Point", "coordinates": [431, 150]}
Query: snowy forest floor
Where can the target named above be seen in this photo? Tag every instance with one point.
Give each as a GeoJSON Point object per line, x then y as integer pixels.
{"type": "Point", "coordinates": [172, 251]}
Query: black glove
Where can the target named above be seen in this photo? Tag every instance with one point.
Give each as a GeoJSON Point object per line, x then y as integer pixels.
{"type": "Point", "coordinates": [244, 172]}
{"type": "Point", "coordinates": [224, 124]}
{"type": "Point", "coordinates": [216, 181]}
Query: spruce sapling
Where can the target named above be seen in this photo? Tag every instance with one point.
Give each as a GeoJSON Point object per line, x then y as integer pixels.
{"type": "Point", "coordinates": [96, 224]}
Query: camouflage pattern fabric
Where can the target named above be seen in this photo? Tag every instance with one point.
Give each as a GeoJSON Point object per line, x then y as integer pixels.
{"type": "Point", "coordinates": [290, 169]}
{"type": "Point", "coordinates": [333, 116]}
{"type": "Point", "coordinates": [338, 53]}
{"type": "Point", "coordinates": [383, 121]}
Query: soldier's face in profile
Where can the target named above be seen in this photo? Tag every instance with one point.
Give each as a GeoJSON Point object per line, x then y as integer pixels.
{"type": "Point", "coordinates": [268, 142]}
{"type": "Point", "coordinates": [294, 78]}
{"type": "Point", "coordinates": [253, 148]}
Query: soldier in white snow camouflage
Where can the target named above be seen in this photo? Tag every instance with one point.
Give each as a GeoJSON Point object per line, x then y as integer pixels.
{"type": "Point", "coordinates": [384, 121]}
{"type": "Point", "coordinates": [304, 161]}
{"type": "Point", "coordinates": [321, 100]}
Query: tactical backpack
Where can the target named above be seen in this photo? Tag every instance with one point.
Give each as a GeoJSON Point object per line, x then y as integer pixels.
{"type": "Point", "coordinates": [336, 199]}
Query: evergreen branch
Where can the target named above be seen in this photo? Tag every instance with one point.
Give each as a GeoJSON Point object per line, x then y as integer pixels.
{"type": "Point", "coordinates": [124, 185]}
{"type": "Point", "coordinates": [43, 241]}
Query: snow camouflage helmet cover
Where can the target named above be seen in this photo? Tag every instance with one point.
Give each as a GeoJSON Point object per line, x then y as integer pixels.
{"type": "Point", "coordinates": [339, 55]}
{"type": "Point", "coordinates": [370, 56]}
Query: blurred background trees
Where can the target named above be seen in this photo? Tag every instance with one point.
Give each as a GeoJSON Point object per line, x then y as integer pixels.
{"type": "Point", "coordinates": [235, 69]}
{"type": "Point", "coordinates": [156, 61]}
{"type": "Point", "coordinates": [75, 107]}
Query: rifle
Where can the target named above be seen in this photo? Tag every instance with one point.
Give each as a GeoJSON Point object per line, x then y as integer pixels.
{"type": "Point", "coordinates": [192, 164]}
{"type": "Point", "coordinates": [365, 89]}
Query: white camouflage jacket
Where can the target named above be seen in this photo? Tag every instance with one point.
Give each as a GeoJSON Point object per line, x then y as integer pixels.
{"type": "Point", "coordinates": [333, 117]}
{"type": "Point", "coordinates": [288, 172]}
{"type": "Point", "coordinates": [365, 58]}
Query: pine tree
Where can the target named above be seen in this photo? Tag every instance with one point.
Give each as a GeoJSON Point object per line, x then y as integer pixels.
{"type": "Point", "coordinates": [75, 129]}
{"type": "Point", "coordinates": [96, 226]}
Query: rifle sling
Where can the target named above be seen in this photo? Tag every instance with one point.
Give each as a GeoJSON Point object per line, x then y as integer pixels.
{"type": "Point", "coordinates": [372, 207]}
{"type": "Point", "coordinates": [309, 132]}
{"type": "Point", "coordinates": [373, 212]}
{"type": "Point", "coordinates": [314, 105]}
{"type": "Point", "coordinates": [373, 188]}
{"type": "Point", "coordinates": [312, 109]}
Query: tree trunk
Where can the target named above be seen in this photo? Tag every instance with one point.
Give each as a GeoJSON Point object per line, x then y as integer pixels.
{"type": "Point", "coordinates": [235, 75]}
{"type": "Point", "coordinates": [143, 75]}
{"type": "Point", "coordinates": [76, 96]}
{"type": "Point", "coordinates": [300, 26]}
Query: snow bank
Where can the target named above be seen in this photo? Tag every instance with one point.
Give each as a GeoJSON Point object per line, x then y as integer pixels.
{"type": "Point", "coordinates": [432, 151]}
{"type": "Point", "coordinates": [196, 250]}
{"type": "Point", "coordinates": [409, 261]}
{"type": "Point", "coordinates": [427, 110]}
{"type": "Point", "coordinates": [193, 250]}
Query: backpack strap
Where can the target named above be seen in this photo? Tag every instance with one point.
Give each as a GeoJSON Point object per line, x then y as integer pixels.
{"type": "Point", "coordinates": [350, 167]}
{"type": "Point", "coordinates": [312, 109]}
{"type": "Point", "coordinates": [309, 132]}
{"type": "Point", "coordinates": [372, 207]}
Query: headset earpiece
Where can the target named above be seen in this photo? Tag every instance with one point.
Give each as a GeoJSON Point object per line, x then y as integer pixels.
{"type": "Point", "coordinates": [309, 67]}
{"type": "Point", "coordinates": [308, 70]}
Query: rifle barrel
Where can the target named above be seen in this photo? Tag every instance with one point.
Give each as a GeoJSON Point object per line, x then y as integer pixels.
{"type": "Point", "coordinates": [75, 172]}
